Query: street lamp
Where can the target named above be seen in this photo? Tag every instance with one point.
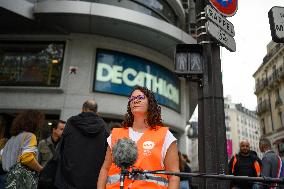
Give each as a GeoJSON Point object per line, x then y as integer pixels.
{"type": "Point", "coordinates": [191, 130]}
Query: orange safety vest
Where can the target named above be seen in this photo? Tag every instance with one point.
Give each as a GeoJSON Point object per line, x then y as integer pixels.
{"type": "Point", "coordinates": [255, 165]}
{"type": "Point", "coordinates": [149, 158]}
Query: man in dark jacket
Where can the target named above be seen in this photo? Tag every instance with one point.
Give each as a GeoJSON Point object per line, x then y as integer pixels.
{"type": "Point", "coordinates": [82, 153]}
{"type": "Point", "coordinates": [245, 163]}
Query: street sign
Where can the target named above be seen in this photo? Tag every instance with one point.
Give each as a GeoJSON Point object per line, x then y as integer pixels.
{"type": "Point", "coordinates": [220, 20]}
{"type": "Point", "coordinates": [276, 21]}
{"type": "Point", "coordinates": [225, 7]}
{"type": "Point", "coordinates": [221, 36]}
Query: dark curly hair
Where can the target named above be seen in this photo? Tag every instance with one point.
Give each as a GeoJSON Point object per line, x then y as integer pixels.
{"type": "Point", "coordinates": [29, 121]}
{"type": "Point", "coordinates": [153, 113]}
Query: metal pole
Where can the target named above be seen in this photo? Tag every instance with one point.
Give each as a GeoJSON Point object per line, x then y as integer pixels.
{"type": "Point", "coordinates": [211, 117]}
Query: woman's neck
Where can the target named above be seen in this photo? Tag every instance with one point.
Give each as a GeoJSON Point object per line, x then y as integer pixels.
{"type": "Point", "coordinates": [139, 124]}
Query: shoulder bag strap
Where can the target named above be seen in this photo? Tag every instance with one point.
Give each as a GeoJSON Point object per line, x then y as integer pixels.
{"type": "Point", "coordinates": [22, 144]}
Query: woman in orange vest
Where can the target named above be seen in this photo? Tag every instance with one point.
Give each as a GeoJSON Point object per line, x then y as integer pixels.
{"type": "Point", "coordinates": [157, 148]}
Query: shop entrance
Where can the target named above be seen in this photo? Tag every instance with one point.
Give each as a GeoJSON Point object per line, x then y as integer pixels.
{"type": "Point", "coordinates": [7, 117]}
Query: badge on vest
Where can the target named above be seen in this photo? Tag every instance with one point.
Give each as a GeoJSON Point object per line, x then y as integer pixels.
{"type": "Point", "coordinates": [148, 146]}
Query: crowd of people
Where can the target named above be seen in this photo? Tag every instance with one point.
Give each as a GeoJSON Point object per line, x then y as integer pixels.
{"type": "Point", "coordinates": [78, 152]}
{"type": "Point", "coordinates": [247, 163]}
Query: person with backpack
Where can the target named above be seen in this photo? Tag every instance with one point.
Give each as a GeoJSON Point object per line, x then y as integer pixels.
{"type": "Point", "coordinates": [19, 156]}
{"type": "Point", "coordinates": [245, 163]}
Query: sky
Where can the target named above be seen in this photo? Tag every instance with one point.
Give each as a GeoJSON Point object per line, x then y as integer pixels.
{"type": "Point", "coordinates": [252, 30]}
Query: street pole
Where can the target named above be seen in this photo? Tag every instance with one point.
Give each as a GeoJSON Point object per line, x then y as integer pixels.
{"type": "Point", "coordinates": [212, 144]}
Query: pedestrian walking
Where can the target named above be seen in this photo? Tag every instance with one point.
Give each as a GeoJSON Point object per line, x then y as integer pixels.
{"type": "Point", "coordinates": [185, 182]}
{"type": "Point", "coordinates": [19, 156]}
{"type": "Point", "coordinates": [46, 147]}
{"type": "Point", "coordinates": [82, 149]}
{"type": "Point", "coordinates": [3, 141]}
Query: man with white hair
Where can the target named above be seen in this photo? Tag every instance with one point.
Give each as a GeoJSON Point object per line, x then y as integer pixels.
{"type": "Point", "coordinates": [271, 162]}
{"type": "Point", "coordinates": [245, 163]}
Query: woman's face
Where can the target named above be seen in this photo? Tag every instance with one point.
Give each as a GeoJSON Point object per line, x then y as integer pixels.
{"type": "Point", "coordinates": [138, 103]}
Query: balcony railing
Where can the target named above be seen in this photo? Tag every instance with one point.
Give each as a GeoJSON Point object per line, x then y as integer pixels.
{"type": "Point", "coordinates": [281, 71]}
{"type": "Point", "coordinates": [272, 52]}
{"type": "Point", "coordinates": [272, 80]}
{"type": "Point", "coordinates": [260, 85]}
{"type": "Point", "coordinates": [263, 107]}
{"type": "Point", "coordinates": [278, 101]}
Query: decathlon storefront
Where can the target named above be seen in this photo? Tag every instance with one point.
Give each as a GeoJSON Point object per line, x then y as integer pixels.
{"type": "Point", "coordinates": [75, 54]}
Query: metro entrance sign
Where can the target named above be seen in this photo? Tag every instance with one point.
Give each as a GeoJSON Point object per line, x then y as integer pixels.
{"type": "Point", "coordinates": [276, 21]}
{"type": "Point", "coordinates": [225, 7]}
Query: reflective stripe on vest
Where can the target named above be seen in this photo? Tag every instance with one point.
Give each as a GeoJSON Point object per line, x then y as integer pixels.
{"type": "Point", "coordinates": [257, 168]}
{"type": "Point", "coordinates": [148, 178]}
{"type": "Point", "coordinates": [234, 163]}
{"type": "Point", "coordinates": [255, 165]}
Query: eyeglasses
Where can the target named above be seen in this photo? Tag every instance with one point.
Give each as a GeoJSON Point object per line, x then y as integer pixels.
{"type": "Point", "coordinates": [138, 97]}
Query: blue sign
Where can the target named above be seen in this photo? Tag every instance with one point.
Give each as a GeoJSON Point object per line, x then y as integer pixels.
{"type": "Point", "coordinates": [118, 73]}
{"type": "Point", "coordinates": [225, 3]}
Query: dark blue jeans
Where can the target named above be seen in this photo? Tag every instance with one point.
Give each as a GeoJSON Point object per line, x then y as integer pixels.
{"type": "Point", "coordinates": [2, 181]}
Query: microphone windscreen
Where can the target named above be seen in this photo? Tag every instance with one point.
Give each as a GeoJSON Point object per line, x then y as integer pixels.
{"type": "Point", "coordinates": [124, 153]}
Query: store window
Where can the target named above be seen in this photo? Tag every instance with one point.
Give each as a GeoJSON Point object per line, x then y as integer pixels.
{"type": "Point", "coordinates": [31, 63]}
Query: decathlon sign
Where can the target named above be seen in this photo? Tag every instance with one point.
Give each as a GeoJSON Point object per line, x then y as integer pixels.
{"type": "Point", "coordinates": [118, 73]}
{"type": "Point", "coordinates": [225, 7]}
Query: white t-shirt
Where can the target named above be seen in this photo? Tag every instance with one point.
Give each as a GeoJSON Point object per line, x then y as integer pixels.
{"type": "Point", "coordinates": [135, 136]}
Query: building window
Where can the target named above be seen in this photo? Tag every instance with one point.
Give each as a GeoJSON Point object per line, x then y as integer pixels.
{"type": "Point", "coordinates": [278, 100]}
{"type": "Point", "coordinates": [31, 63]}
{"type": "Point", "coordinates": [156, 8]}
{"type": "Point", "coordinates": [263, 126]}
{"type": "Point", "coordinates": [280, 118]}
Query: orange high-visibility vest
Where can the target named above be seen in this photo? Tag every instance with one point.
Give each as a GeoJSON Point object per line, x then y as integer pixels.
{"type": "Point", "coordinates": [255, 165]}
{"type": "Point", "coordinates": [149, 158]}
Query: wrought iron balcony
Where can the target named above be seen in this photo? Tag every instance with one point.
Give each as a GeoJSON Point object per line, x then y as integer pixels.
{"type": "Point", "coordinates": [281, 72]}
{"type": "Point", "coordinates": [278, 101]}
{"type": "Point", "coordinates": [260, 86]}
{"type": "Point", "coordinates": [272, 52]}
{"type": "Point", "coordinates": [263, 107]}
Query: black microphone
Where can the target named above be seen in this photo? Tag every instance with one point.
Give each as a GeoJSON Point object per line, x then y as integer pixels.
{"type": "Point", "coordinates": [124, 154]}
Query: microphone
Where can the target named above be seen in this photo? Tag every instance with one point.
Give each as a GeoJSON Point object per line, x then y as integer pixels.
{"type": "Point", "coordinates": [124, 154]}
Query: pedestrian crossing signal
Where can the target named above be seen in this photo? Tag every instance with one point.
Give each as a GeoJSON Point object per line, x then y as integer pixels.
{"type": "Point", "coordinates": [188, 60]}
